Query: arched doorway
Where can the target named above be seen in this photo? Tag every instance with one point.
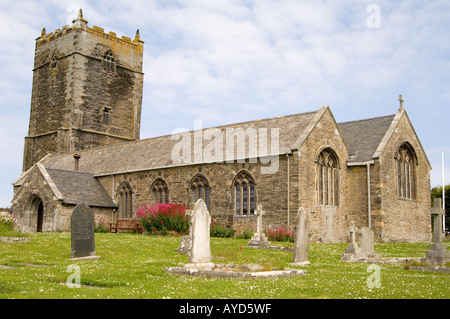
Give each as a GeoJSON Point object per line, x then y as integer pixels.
{"type": "Point", "coordinates": [37, 211]}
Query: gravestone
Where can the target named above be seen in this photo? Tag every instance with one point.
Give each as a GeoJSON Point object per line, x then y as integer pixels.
{"type": "Point", "coordinates": [438, 253]}
{"type": "Point", "coordinates": [300, 255]}
{"type": "Point", "coordinates": [352, 248]}
{"type": "Point", "coordinates": [82, 232]}
{"type": "Point", "coordinates": [366, 242]}
{"type": "Point", "coordinates": [259, 239]}
{"type": "Point", "coordinates": [186, 241]}
{"type": "Point", "coordinates": [200, 253]}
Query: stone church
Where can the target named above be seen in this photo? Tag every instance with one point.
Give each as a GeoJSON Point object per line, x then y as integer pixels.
{"type": "Point", "coordinates": [83, 145]}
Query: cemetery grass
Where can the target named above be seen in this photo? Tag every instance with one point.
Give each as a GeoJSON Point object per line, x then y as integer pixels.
{"type": "Point", "coordinates": [132, 266]}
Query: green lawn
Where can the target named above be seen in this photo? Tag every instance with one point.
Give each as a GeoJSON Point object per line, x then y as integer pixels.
{"type": "Point", "coordinates": [132, 266]}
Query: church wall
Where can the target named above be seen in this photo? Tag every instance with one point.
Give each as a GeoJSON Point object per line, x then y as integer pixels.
{"type": "Point", "coordinates": [270, 189]}
{"type": "Point", "coordinates": [326, 223]}
{"type": "Point", "coordinates": [404, 219]}
{"type": "Point", "coordinates": [357, 194]}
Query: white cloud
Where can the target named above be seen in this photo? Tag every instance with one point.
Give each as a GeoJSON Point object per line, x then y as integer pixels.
{"type": "Point", "coordinates": [224, 61]}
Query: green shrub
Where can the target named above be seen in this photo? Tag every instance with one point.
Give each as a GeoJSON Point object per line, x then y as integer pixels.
{"type": "Point", "coordinates": [245, 234]}
{"type": "Point", "coordinates": [101, 226]}
{"type": "Point", "coordinates": [219, 230]}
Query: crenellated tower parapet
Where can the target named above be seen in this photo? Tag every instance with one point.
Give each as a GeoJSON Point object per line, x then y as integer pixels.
{"type": "Point", "coordinates": [87, 90]}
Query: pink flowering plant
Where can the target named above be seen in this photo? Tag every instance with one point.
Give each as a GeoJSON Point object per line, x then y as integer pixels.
{"type": "Point", "coordinates": [280, 234]}
{"type": "Point", "coordinates": [163, 219]}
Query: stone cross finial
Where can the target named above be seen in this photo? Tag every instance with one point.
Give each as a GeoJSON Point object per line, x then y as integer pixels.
{"type": "Point", "coordinates": [400, 99]}
{"type": "Point", "coordinates": [80, 14]}
{"type": "Point", "coordinates": [259, 213]}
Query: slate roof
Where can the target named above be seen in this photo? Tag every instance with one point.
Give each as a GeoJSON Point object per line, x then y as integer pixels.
{"type": "Point", "coordinates": [78, 187]}
{"type": "Point", "coordinates": [364, 136]}
{"type": "Point", "coordinates": [156, 152]}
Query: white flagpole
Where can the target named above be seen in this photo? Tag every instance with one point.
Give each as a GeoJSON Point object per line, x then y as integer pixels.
{"type": "Point", "coordinates": [443, 193]}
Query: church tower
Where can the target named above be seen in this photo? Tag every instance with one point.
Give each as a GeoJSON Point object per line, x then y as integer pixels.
{"type": "Point", "coordinates": [87, 91]}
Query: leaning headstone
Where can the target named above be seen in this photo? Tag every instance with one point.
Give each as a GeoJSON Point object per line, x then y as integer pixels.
{"type": "Point", "coordinates": [186, 241]}
{"type": "Point", "coordinates": [200, 253]}
{"type": "Point", "coordinates": [259, 239]}
{"type": "Point", "coordinates": [438, 253]}
{"type": "Point", "coordinates": [300, 255]}
{"type": "Point", "coordinates": [82, 232]}
{"type": "Point", "coordinates": [366, 242]}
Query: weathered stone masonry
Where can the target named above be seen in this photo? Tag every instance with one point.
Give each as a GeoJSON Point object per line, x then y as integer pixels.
{"type": "Point", "coordinates": [86, 101]}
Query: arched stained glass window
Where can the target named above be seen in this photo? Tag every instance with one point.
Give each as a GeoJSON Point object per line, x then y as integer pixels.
{"type": "Point", "coordinates": [199, 188]}
{"type": "Point", "coordinates": [405, 171]}
{"type": "Point", "coordinates": [125, 194]}
{"type": "Point", "coordinates": [244, 193]}
{"type": "Point", "coordinates": [328, 178]}
{"type": "Point", "coordinates": [160, 191]}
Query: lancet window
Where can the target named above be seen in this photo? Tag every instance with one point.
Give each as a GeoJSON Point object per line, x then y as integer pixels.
{"type": "Point", "coordinates": [160, 191]}
{"type": "Point", "coordinates": [244, 194]}
{"type": "Point", "coordinates": [328, 178]}
{"type": "Point", "coordinates": [125, 194]}
{"type": "Point", "coordinates": [199, 188]}
{"type": "Point", "coordinates": [405, 172]}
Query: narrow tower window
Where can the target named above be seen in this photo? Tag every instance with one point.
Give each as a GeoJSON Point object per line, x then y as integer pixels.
{"type": "Point", "coordinates": [106, 116]}
{"type": "Point", "coordinates": [54, 63]}
{"type": "Point", "coordinates": [108, 61]}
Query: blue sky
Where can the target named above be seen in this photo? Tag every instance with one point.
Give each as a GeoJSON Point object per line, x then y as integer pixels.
{"type": "Point", "coordinates": [226, 61]}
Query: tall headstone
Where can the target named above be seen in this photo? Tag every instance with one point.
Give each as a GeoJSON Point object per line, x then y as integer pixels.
{"type": "Point", "coordinates": [366, 242]}
{"type": "Point", "coordinates": [200, 253]}
{"type": "Point", "coordinates": [438, 253]}
{"type": "Point", "coordinates": [300, 254]}
{"type": "Point", "coordinates": [82, 232]}
{"type": "Point", "coordinates": [259, 239]}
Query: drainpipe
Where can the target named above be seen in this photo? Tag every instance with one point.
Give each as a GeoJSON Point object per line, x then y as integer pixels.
{"type": "Point", "coordinates": [369, 208]}
{"type": "Point", "coordinates": [288, 189]}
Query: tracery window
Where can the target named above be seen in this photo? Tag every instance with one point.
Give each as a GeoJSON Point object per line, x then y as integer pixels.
{"type": "Point", "coordinates": [160, 191]}
{"type": "Point", "coordinates": [244, 194]}
{"type": "Point", "coordinates": [199, 188]}
{"type": "Point", "coordinates": [328, 178]}
{"type": "Point", "coordinates": [108, 61]}
{"type": "Point", "coordinates": [405, 172]}
{"type": "Point", "coordinates": [125, 194]}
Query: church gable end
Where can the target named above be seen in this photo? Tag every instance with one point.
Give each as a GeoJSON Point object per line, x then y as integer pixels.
{"type": "Point", "coordinates": [404, 192]}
